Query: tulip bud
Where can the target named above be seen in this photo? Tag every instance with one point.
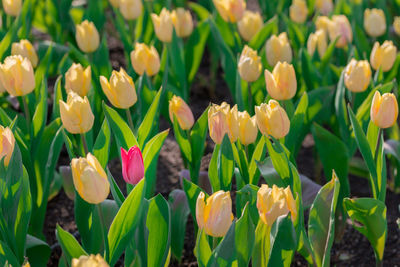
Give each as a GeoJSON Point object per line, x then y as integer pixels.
{"type": "Point", "coordinates": [230, 10]}
{"type": "Point", "coordinates": [396, 25]}
{"type": "Point", "coordinates": [383, 56]}
{"type": "Point", "coordinates": [145, 59]}
{"type": "Point", "coordinates": [247, 128]}
{"type": "Point", "coordinates": [90, 179]}
{"type": "Point", "coordinates": [340, 27]}
{"type": "Point", "coordinates": [179, 109]}
{"type": "Point", "coordinates": [322, 23]}
{"type": "Point", "coordinates": [87, 37]}
{"type": "Point", "coordinates": [76, 114]}
{"type": "Point", "coordinates": [281, 83]}
{"type": "Point", "coordinates": [78, 79]}
{"type": "Point", "coordinates": [130, 9]}
{"type": "Point", "coordinates": [384, 110]}
{"type": "Point", "coordinates": [223, 120]}
{"type": "Point", "coordinates": [272, 119]}
{"type": "Point", "coordinates": [183, 22]}
{"type": "Point", "coordinates": [89, 261]}
{"type": "Point", "coordinates": [12, 7]}
{"type": "Point", "coordinates": [278, 49]}
{"type": "Point", "coordinates": [7, 143]}
{"type": "Point", "coordinates": [324, 6]}
{"type": "Point", "coordinates": [274, 202]}
{"type": "Point", "coordinates": [249, 65]}
{"type": "Point", "coordinates": [25, 49]}
{"type": "Point", "coordinates": [114, 3]}
{"type": "Point", "coordinates": [250, 25]}
{"type": "Point", "coordinates": [317, 41]}
{"type": "Point", "coordinates": [120, 91]}
{"type": "Point", "coordinates": [132, 165]}
{"type": "Point", "coordinates": [16, 75]}
{"type": "Point", "coordinates": [163, 25]}
{"type": "Point", "coordinates": [374, 22]}
{"type": "Point", "coordinates": [298, 11]}
{"type": "Point", "coordinates": [214, 215]}
{"type": "Point", "coordinates": [357, 75]}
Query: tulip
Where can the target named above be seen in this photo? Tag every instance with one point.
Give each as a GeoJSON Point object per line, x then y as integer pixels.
{"type": "Point", "coordinates": [396, 25]}
{"type": "Point", "coordinates": [87, 37]}
{"type": "Point", "coordinates": [230, 10]}
{"type": "Point", "coordinates": [317, 41]}
{"type": "Point", "coordinates": [215, 214]}
{"type": "Point", "coordinates": [339, 27]}
{"type": "Point", "coordinates": [25, 49]}
{"type": "Point", "coordinates": [357, 75]}
{"type": "Point", "coordinates": [249, 65]}
{"type": "Point", "coordinates": [274, 202]}
{"type": "Point", "coordinates": [250, 25]}
{"type": "Point", "coordinates": [163, 25]}
{"type": "Point", "coordinates": [182, 21]}
{"type": "Point", "coordinates": [114, 3]}
{"type": "Point", "coordinates": [383, 56]}
{"type": "Point", "coordinates": [281, 83]}
{"type": "Point", "coordinates": [90, 179]}
{"type": "Point", "coordinates": [78, 79]}
{"type": "Point", "coordinates": [374, 22]}
{"type": "Point", "coordinates": [272, 119]}
{"type": "Point", "coordinates": [12, 7]}
{"type": "Point", "coordinates": [298, 11]}
{"type": "Point", "coordinates": [120, 90]}
{"type": "Point", "coordinates": [322, 23]}
{"type": "Point", "coordinates": [145, 59]}
{"type": "Point", "coordinates": [384, 110]}
{"type": "Point", "coordinates": [247, 128]}
{"type": "Point", "coordinates": [130, 9]}
{"type": "Point", "coordinates": [132, 165]}
{"type": "Point", "coordinates": [76, 114]}
{"type": "Point", "coordinates": [89, 261]}
{"type": "Point", "coordinates": [16, 75]}
{"type": "Point", "coordinates": [181, 111]}
{"type": "Point", "coordinates": [7, 143]}
{"type": "Point", "coordinates": [223, 120]}
{"type": "Point", "coordinates": [278, 49]}
{"type": "Point", "coordinates": [324, 6]}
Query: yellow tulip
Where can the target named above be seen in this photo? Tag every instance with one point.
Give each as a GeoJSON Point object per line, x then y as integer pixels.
{"type": "Point", "coordinates": [339, 27]}
{"type": "Point", "coordinates": [87, 36]}
{"type": "Point", "coordinates": [163, 25]}
{"type": "Point", "coordinates": [374, 22]}
{"type": "Point", "coordinates": [114, 3]}
{"type": "Point", "coordinates": [25, 49]}
{"type": "Point", "coordinates": [249, 65]}
{"type": "Point", "coordinates": [16, 75]}
{"type": "Point", "coordinates": [274, 202]}
{"type": "Point", "coordinates": [281, 83]}
{"type": "Point", "coordinates": [214, 215]}
{"type": "Point", "coordinates": [78, 79]}
{"type": "Point", "coordinates": [76, 114]}
{"type": "Point", "coordinates": [131, 9]}
{"type": "Point", "coordinates": [317, 41]}
{"type": "Point", "coordinates": [145, 59]}
{"type": "Point", "coordinates": [179, 109]}
{"type": "Point", "coordinates": [384, 110]}
{"type": "Point", "coordinates": [250, 25]}
{"type": "Point", "coordinates": [89, 261]}
{"type": "Point", "coordinates": [357, 75]}
{"type": "Point", "coordinates": [383, 56]}
{"type": "Point", "coordinates": [230, 10]}
{"type": "Point", "coordinates": [7, 143]}
{"type": "Point", "coordinates": [322, 23]}
{"type": "Point", "coordinates": [278, 49]}
{"type": "Point", "coordinates": [298, 11]}
{"type": "Point", "coordinates": [183, 22]}
{"type": "Point", "coordinates": [247, 128]}
{"type": "Point", "coordinates": [12, 7]}
{"type": "Point", "coordinates": [324, 6]}
{"type": "Point", "coordinates": [120, 90]}
{"type": "Point", "coordinates": [272, 119]}
{"type": "Point", "coordinates": [396, 25]}
{"type": "Point", "coordinates": [223, 120]}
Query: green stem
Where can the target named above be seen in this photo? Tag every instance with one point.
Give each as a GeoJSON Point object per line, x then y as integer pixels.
{"type": "Point", "coordinates": [250, 97]}
{"type": "Point", "coordinates": [27, 113]}
{"type": "Point", "coordinates": [130, 121]}
{"type": "Point", "coordinates": [103, 230]}
{"type": "Point", "coordinates": [378, 144]}
{"type": "Point", "coordinates": [85, 147]}
{"type": "Point", "coordinates": [233, 30]}
{"type": "Point", "coordinates": [215, 242]}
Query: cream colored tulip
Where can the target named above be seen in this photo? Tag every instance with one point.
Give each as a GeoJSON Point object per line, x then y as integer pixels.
{"type": "Point", "coordinates": [222, 119]}
{"type": "Point", "coordinates": [272, 119]}
{"type": "Point", "coordinates": [7, 143]}
{"type": "Point", "coordinates": [339, 27]}
{"type": "Point", "coordinates": [230, 10]}
{"type": "Point", "coordinates": [183, 22]}
{"type": "Point", "coordinates": [12, 7]}
{"type": "Point", "coordinates": [250, 25]}
{"type": "Point", "coordinates": [131, 9]}
{"type": "Point", "coordinates": [247, 128]}
{"type": "Point", "coordinates": [163, 25]}
{"type": "Point", "coordinates": [324, 6]}
{"type": "Point", "coordinates": [114, 3]}
{"type": "Point", "coordinates": [178, 108]}
{"type": "Point", "coordinates": [76, 115]}
{"type": "Point", "coordinates": [357, 75]}
{"type": "Point", "coordinates": [145, 59]}
{"type": "Point", "coordinates": [78, 79]}
{"type": "Point", "coordinates": [16, 75]}
{"type": "Point", "coordinates": [298, 11]}
{"type": "Point", "coordinates": [383, 56]}
{"type": "Point", "coordinates": [281, 83]}
{"type": "Point", "coordinates": [278, 49]}
{"type": "Point", "coordinates": [25, 49]}
{"type": "Point", "coordinates": [87, 37]}
{"type": "Point", "coordinates": [317, 41]}
{"type": "Point", "coordinates": [384, 110]}
{"type": "Point", "coordinates": [322, 23]}
{"type": "Point", "coordinates": [396, 25]}
{"type": "Point", "coordinates": [89, 261]}
{"type": "Point", "coordinates": [374, 22]}
{"type": "Point", "coordinates": [249, 65]}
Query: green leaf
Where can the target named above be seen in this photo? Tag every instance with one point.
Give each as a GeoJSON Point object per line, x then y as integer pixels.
{"type": "Point", "coordinates": [225, 164]}
{"type": "Point", "coordinates": [340, 108]}
{"type": "Point", "coordinates": [57, 97]}
{"type": "Point", "coordinates": [183, 141]}
{"type": "Point", "coordinates": [115, 190]}
{"type": "Point", "coordinates": [70, 247]}
{"type": "Point", "coordinates": [248, 196]}
{"type": "Point", "coordinates": [37, 251]}
{"type": "Point", "coordinates": [244, 237]}
{"type": "Point", "coordinates": [7, 256]}
{"type": "Point", "coordinates": [269, 28]}
{"type": "Point", "coordinates": [225, 253]}
{"type": "Point", "coordinates": [202, 249]}
{"type": "Point", "coordinates": [258, 155]}
{"type": "Point", "coordinates": [201, 12]}
{"type": "Point", "coordinates": [192, 191]}
{"type": "Point", "coordinates": [297, 123]}
{"type": "Point", "coordinates": [40, 116]}
{"type": "Point", "coordinates": [101, 148]}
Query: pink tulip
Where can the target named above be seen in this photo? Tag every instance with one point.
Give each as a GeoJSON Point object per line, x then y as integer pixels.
{"type": "Point", "coordinates": [132, 165]}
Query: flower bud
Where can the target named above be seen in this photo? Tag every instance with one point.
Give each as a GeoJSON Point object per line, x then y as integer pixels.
{"type": "Point", "coordinates": [357, 75]}
{"type": "Point", "coordinates": [7, 143]}
{"type": "Point", "coordinates": [278, 49]}
{"type": "Point", "coordinates": [90, 179]}
{"type": "Point", "coordinates": [25, 49]}
{"type": "Point", "coordinates": [179, 109]}
{"type": "Point", "coordinates": [249, 65]}
{"type": "Point", "coordinates": [230, 10]}
{"type": "Point", "coordinates": [374, 22]}
{"type": "Point", "coordinates": [120, 91]}
{"type": "Point", "coordinates": [12, 7]}
{"type": "Point", "coordinates": [396, 25]}
{"type": "Point", "coordinates": [132, 165]}
{"type": "Point", "coordinates": [131, 9]}
{"type": "Point", "coordinates": [247, 128]}
{"type": "Point", "coordinates": [214, 215]}
{"type": "Point", "coordinates": [340, 27]}
{"type": "Point", "coordinates": [145, 59]}
{"type": "Point", "coordinates": [384, 110]}
{"type": "Point", "coordinates": [183, 22]}
{"type": "Point", "coordinates": [89, 261]}
{"type": "Point", "coordinates": [76, 114]}
{"type": "Point", "coordinates": [272, 119]}
{"type": "Point", "coordinates": [298, 11]}
{"type": "Point", "coordinates": [87, 37]}
{"type": "Point", "coordinates": [324, 6]}
{"type": "Point", "coordinates": [274, 202]}
{"type": "Point", "coordinates": [322, 23]}
{"type": "Point", "coordinates": [16, 75]}
{"type": "Point", "coordinates": [250, 25]}
{"type": "Point", "coordinates": [281, 83]}
{"type": "Point", "coordinates": [317, 41]}
{"type": "Point", "coordinates": [383, 56]}
{"type": "Point", "coordinates": [223, 120]}
{"type": "Point", "coordinates": [78, 79]}
{"type": "Point", "coordinates": [163, 25]}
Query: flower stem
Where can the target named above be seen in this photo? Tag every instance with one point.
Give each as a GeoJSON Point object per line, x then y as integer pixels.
{"type": "Point", "coordinates": [250, 97]}
{"type": "Point", "coordinates": [103, 230]}
{"type": "Point", "coordinates": [130, 121]}
{"type": "Point", "coordinates": [378, 144]}
{"type": "Point", "coordinates": [27, 113]}
{"type": "Point", "coordinates": [85, 147]}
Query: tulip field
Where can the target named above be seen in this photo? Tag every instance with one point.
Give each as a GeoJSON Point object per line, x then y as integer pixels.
{"type": "Point", "coordinates": [199, 133]}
